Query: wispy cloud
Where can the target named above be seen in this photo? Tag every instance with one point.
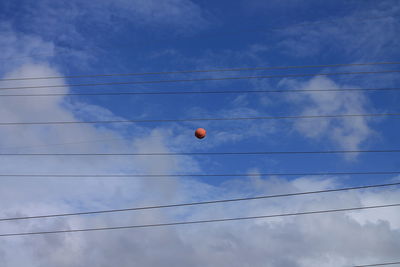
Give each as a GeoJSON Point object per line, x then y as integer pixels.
{"type": "Point", "coordinates": [349, 133]}
{"type": "Point", "coordinates": [48, 27]}
{"type": "Point", "coordinates": [353, 36]}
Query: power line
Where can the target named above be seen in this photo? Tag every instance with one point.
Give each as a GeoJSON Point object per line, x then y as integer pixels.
{"type": "Point", "coordinates": [202, 119]}
{"type": "Point", "coordinates": [200, 175]}
{"type": "Point", "coordinates": [203, 79]}
{"type": "Point", "coordinates": [204, 92]}
{"type": "Point", "coordinates": [199, 222]}
{"type": "Point", "coordinates": [205, 153]}
{"type": "Point", "coordinates": [198, 203]}
{"type": "Point", "coordinates": [199, 71]}
{"type": "Point", "coordinates": [378, 264]}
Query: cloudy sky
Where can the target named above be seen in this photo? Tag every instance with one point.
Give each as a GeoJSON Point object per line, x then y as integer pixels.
{"type": "Point", "coordinates": [59, 38]}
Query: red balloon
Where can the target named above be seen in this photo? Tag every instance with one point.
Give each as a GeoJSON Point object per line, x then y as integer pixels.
{"type": "Point", "coordinates": [200, 133]}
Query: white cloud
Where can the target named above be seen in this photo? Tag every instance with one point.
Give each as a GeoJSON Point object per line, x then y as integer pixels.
{"type": "Point", "coordinates": [359, 35]}
{"type": "Point", "coordinates": [341, 239]}
{"type": "Point", "coordinates": [40, 34]}
{"type": "Point", "coordinates": [17, 48]}
{"type": "Point", "coordinates": [302, 241]}
{"type": "Point", "coordinates": [310, 241]}
{"type": "Point", "coordinates": [347, 133]}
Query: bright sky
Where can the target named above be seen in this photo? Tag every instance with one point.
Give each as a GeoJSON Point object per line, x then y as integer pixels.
{"type": "Point", "coordinates": [56, 38]}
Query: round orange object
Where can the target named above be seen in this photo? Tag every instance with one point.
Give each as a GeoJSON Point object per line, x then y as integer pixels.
{"type": "Point", "coordinates": [200, 133]}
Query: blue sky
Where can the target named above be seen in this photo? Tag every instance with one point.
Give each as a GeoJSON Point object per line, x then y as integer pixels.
{"type": "Point", "coordinates": [47, 38]}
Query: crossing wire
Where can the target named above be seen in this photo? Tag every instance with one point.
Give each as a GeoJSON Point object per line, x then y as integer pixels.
{"type": "Point", "coordinates": [202, 119]}
{"type": "Point", "coordinates": [205, 92]}
{"type": "Point", "coordinates": [45, 175]}
{"type": "Point", "coordinates": [206, 153]}
{"type": "Point", "coordinates": [200, 202]}
{"type": "Point", "coordinates": [200, 71]}
{"type": "Point", "coordinates": [203, 79]}
{"type": "Point", "coordinates": [378, 264]}
{"type": "Point", "coordinates": [199, 221]}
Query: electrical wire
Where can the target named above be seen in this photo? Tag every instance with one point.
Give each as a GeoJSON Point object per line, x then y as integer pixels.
{"type": "Point", "coordinates": [199, 203]}
{"type": "Point", "coordinates": [204, 92]}
{"type": "Point", "coordinates": [200, 71]}
{"type": "Point", "coordinates": [378, 264]}
{"type": "Point", "coordinates": [200, 221]}
{"type": "Point", "coordinates": [198, 175]}
{"type": "Point", "coordinates": [203, 79]}
{"type": "Point", "coordinates": [206, 153]}
{"type": "Point", "coordinates": [202, 119]}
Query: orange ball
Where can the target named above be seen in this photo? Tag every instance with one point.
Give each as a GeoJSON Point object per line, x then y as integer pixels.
{"type": "Point", "coordinates": [200, 133]}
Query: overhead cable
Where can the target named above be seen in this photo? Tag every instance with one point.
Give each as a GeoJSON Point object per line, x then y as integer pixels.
{"type": "Point", "coordinates": [203, 79]}
{"type": "Point", "coordinates": [199, 203]}
{"type": "Point", "coordinates": [378, 264]}
{"type": "Point", "coordinates": [198, 221]}
{"type": "Point", "coordinates": [202, 119]}
{"type": "Point", "coordinates": [206, 153]}
{"type": "Point", "coordinates": [205, 92]}
{"type": "Point", "coordinates": [200, 71]}
{"type": "Point", "coordinates": [94, 175]}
